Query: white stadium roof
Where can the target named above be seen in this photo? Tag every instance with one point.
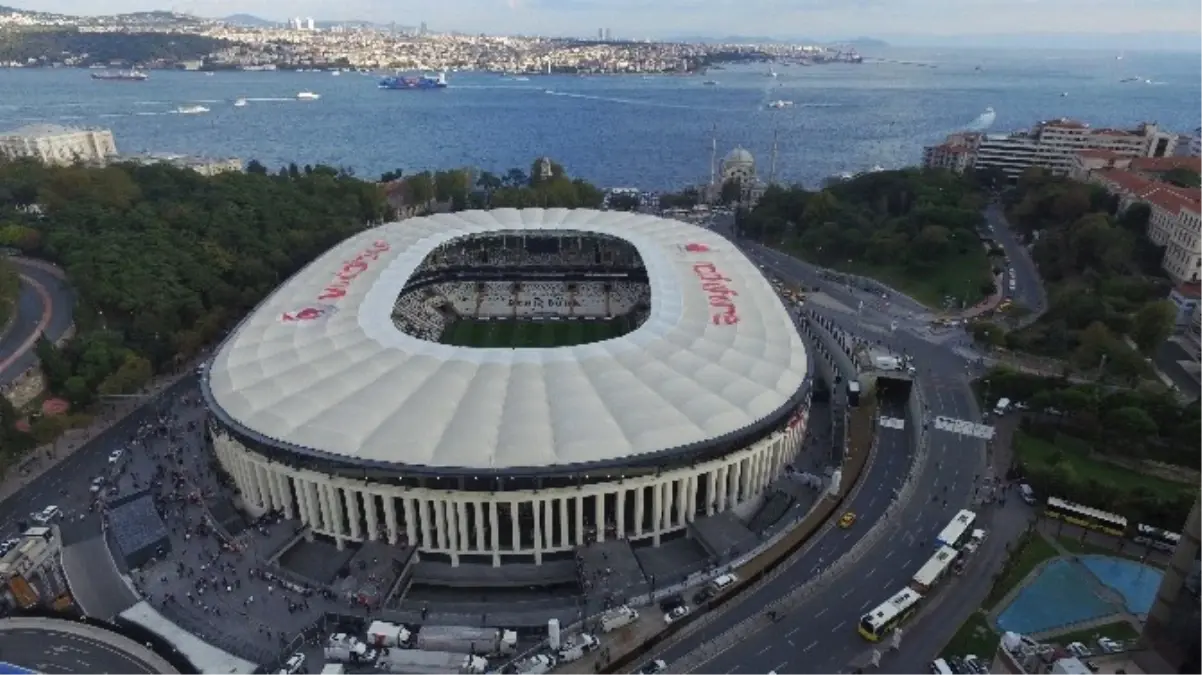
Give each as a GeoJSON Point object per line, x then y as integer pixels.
{"type": "Point", "coordinates": [347, 384]}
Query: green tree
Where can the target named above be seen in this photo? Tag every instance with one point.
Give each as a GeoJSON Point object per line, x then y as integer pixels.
{"type": "Point", "coordinates": [732, 191]}
{"type": "Point", "coordinates": [1153, 325]}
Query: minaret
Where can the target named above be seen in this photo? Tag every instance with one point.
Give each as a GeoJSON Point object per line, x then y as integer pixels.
{"type": "Point", "coordinates": [714, 156]}
{"type": "Point", "coordinates": [772, 166]}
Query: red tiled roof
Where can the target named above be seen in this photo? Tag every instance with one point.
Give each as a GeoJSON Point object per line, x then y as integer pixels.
{"type": "Point", "coordinates": [1168, 197]}
{"type": "Point", "coordinates": [1170, 201]}
{"type": "Point", "coordinates": [1162, 164]}
{"type": "Point", "coordinates": [1190, 290]}
{"type": "Point", "coordinates": [1102, 154]}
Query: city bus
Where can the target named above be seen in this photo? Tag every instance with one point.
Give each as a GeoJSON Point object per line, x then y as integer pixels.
{"type": "Point", "coordinates": [934, 569]}
{"type": "Point", "coordinates": [877, 623]}
{"type": "Point", "coordinates": [1085, 516]}
{"type": "Point", "coordinates": [958, 531]}
{"type": "Point", "coordinates": [1161, 540]}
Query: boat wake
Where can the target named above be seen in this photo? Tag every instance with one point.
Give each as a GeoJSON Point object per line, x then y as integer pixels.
{"type": "Point", "coordinates": [631, 101]}
{"type": "Point", "coordinates": [983, 121]}
{"type": "Point", "coordinates": [271, 99]}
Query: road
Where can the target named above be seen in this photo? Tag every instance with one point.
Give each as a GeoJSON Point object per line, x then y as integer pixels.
{"type": "Point", "coordinates": [1028, 289]}
{"type": "Point", "coordinates": [45, 306]}
{"type": "Point", "coordinates": [820, 636]}
{"type": "Point", "coordinates": [56, 646]}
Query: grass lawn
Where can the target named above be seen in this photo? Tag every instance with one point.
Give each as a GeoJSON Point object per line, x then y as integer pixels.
{"type": "Point", "coordinates": [1042, 454]}
{"type": "Point", "coordinates": [974, 637]}
{"type": "Point", "coordinates": [960, 277]}
{"type": "Point", "coordinates": [1117, 630]}
{"type": "Point", "coordinates": [1129, 551]}
{"type": "Point", "coordinates": [1032, 549]}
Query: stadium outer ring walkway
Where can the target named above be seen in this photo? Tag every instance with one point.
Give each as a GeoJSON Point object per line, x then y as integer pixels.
{"type": "Point", "coordinates": [41, 645]}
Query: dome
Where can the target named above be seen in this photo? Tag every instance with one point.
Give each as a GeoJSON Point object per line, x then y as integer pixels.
{"type": "Point", "coordinates": [739, 156]}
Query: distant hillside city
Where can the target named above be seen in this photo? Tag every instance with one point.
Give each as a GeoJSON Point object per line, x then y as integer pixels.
{"type": "Point", "coordinates": [171, 40]}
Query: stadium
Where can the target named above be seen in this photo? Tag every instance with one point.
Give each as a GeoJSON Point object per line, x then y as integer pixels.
{"type": "Point", "coordinates": [507, 384]}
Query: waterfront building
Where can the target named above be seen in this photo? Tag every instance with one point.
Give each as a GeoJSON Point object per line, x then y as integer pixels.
{"type": "Point", "coordinates": [55, 144]}
{"type": "Point", "coordinates": [738, 165]}
{"type": "Point", "coordinates": [1174, 222]}
{"type": "Point", "coordinates": [203, 165]}
{"type": "Point", "coordinates": [1053, 145]}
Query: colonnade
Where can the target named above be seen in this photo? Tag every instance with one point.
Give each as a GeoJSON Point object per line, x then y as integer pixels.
{"type": "Point", "coordinates": [507, 524]}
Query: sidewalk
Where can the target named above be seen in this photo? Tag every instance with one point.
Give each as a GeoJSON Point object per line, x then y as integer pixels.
{"type": "Point", "coordinates": [46, 457]}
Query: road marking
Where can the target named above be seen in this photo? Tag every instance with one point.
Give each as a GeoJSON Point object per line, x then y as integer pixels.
{"type": "Point", "coordinates": [780, 667]}
{"type": "Point", "coordinates": [732, 670]}
{"type": "Point", "coordinates": [865, 605]}
{"type": "Point", "coordinates": [907, 563]}
{"type": "Point", "coordinates": [820, 613]}
{"type": "Point", "coordinates": [792, 632]}
{"type": "Point", "coordinates": [849, 592]}
{"type": "Point", "coordinates": [888, 553]}
{"type": "Point", "coordinates": [870, 572]}
{"type": "Point", "coordinates": [760, 652]}
{"type": "Point", "coordinates": [836, 628]}
{"type": "Point", "coordinates": [812, 645]}
{"type": "Point", "coordinates": [790, 643]}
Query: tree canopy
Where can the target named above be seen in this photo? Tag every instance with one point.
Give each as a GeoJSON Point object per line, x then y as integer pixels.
{"type": "Point", "coordinates": [10, 289]}
{"type": "Point", "coordinates": [165, 260]}
{"type": "Point", "coordinates": [917, 229]}
{"type": "Point", "coordinates": [116, 47]}
{"type": "Point", "coordinates": [1102, 274]}
{"type": "Point", "coordinates": [459, 189]}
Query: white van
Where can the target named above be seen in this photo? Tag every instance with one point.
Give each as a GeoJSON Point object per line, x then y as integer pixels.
{"type": "Point", "coordinates": [1027, 494]}
{"type": "Point", "coordinates": [724, 582]}
{"type": "Point", "coordinates": [1003, 404]}
{"type": "Point", "coordinates": [940, 667]}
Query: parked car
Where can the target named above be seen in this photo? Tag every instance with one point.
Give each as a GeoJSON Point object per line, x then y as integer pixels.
{"type": "Point", "coordinates": [115, 456]}
{"type": "Point", "coordinates": [676, 614]}
{"type": "Point", "coordinates": [47, 515]}
{"type": "Point", "coordinates": [653, 667]}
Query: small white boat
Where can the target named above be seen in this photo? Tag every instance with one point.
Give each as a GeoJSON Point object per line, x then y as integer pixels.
{"type": "Point", "coordinates": [336, 73]}
{"type": "Point", "coordinates": [191, 109]}
{"type": "Point", "coordinates": [780, 104]}
{"type": "Point", "coordinates": [307, 96]}
{"type": "Point", "coordinates": [240, 103]}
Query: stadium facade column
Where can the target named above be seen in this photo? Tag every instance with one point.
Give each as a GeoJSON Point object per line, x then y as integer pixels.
{"type": "Point", "coordinates": [494, 533]}
{"type": "Point", "coordinates": [323, 506]}
{"type": "Point", "coordinates": [745, 486]}
{"type": "Point", "coordinates": [721, 490]}
{"type": "Point", "coordinates": [564, 540]}
{"type": "Point", "coordinates": [599, 516]}
{"type": "Point", "coordinates": [639, 498]}
{"type": "Point", "coordinates": [578, 508]}
{"type": "Point", "coordinates": [369, 510]}
{"type": "Point", "coordinates": [302, 505]}
{"type": "Point", "coordinates": [711, 490]}
{"type": "Point", "coordinates": [665, 522]}
{"type": "Point", "coordinates": [682, 504]}
{"type": "Point", "coordinates": [409, 505]}
{"type": "Point", "coordinates": [657, 511]}
{"type": "Point", "coordinates": [286, 493]}
{"type": "Point", "coordinates": [339, 514]}
{"type": "Point", "coordinates": [450, 530]}
{"type": "Point", "coordinates": [427, 518]}
{"type": "Point", "coordinates": [260, 477]}
{"type": "Point", "coordinates": [478, 519]}
{"type": "Point", "coordinates": [440, 524]}
{"type": "Point", "coordinates": [353, 516]}
{"type": "Point", "coordinates": [692, 498]}
{"type": "Point", "coordinates": [465, 541]}
{"type": "Point", "coordinates": [538, 531]}
{"type": "Point", "coordinates": [390, 518]}
{"type": "Point", "coordinates": [516, 533]}
{"type": "Point", "coordinates": [621, 513]}
{"type": "Point", "coordinates": [736, 476]}
{"type": "Point", "coordinates": [245, 485]}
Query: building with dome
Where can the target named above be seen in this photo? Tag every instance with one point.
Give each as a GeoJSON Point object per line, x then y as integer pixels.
{"type": "Point", "coordinates": [739, 165]}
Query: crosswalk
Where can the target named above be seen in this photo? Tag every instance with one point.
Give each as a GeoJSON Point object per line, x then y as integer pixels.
{"type": "Point", "coordinates": [964, 428]}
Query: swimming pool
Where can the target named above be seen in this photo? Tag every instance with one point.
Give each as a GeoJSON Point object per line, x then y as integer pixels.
{"type": "Point", "coordinates": [1137, 583]}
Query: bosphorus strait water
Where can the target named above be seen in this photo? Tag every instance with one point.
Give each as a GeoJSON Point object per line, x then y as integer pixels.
{"type": "Point", "coordinates": [630, 130]}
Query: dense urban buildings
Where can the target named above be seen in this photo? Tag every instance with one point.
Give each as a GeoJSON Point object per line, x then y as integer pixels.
{"type": "Point", "coordinates": [379, 398]}
{"type": "Point", "coordinates": [1051, 145]}
{"type": "Point", "coordinates": [54, 144]}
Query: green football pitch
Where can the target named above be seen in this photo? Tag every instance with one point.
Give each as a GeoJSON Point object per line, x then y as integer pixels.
{"type": "Point", "coordinates": [516, 333]}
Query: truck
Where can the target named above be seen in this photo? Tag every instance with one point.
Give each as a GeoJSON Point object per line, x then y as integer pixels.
{"type": "Point", "coordinates": [887, 363]}
{"type": "Point", "coordinates": [420, 662]}
{"type": "Point", "coordinates": [535, 665]}
{"type": "Point", "coordinates": [343, 648]}
{"type": "Point", "coordinates": [465, 639]}
{"type": "Point", "coordinates": [575, 648]}
{"type": "Point", "coordinates": [618, 617]}
{"type": "Point", "coordinates": [385, 634]}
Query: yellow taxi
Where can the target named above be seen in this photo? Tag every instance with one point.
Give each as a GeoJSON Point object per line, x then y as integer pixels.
{"type": "Point", "coordinates": [847, 520]}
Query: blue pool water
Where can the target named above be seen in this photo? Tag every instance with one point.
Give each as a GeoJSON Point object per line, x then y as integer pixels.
{"type": "Point", "coordinates": [1061, 594]}
{"type": "Point", "coordinates": [1135, 582]}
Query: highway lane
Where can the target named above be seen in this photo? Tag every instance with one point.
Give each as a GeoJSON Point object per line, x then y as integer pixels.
{"type": "Point", "coordinates": [46, 304]}
{"type": "Point", "coordinates": [821, 637]}
{"type": "Point", "coordinates": [71, 649]}
{"type": "Point", "coordinates": [1028, 289]}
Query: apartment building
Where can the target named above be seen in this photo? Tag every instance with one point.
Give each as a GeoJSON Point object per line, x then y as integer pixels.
{"type": "Point", "coordinates": [1053, 145]}
{"type": "Point", "coordinates": [55, 144]}
{"type": "Point", "coordinates": [1152, 168]}
{"type": "Point", "coordinates": [1174, 223]}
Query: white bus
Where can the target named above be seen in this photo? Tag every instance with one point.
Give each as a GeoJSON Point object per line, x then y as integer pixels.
{"type": "Point", "coordinates": [1161, 540]}
{"type": "Point", "coordinates": [877, 623]}
{"type": "Point", "coordinates": [957, 531]}
{"type": "Point", "coordinates": [1086, 516]}
{"type": "Point", "coordinates": [934, 569]}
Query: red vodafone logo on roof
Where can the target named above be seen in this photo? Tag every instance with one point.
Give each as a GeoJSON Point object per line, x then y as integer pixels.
{"type": "Point", "coordinates": [696, 248]}
{"type": "Point", "coordinates": [309, 314]}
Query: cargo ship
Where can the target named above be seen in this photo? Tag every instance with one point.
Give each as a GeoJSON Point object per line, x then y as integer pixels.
{"type": "Point", "coordinates": [121, 75]}
{"type": "Point", "coordinates": [423, 82]}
